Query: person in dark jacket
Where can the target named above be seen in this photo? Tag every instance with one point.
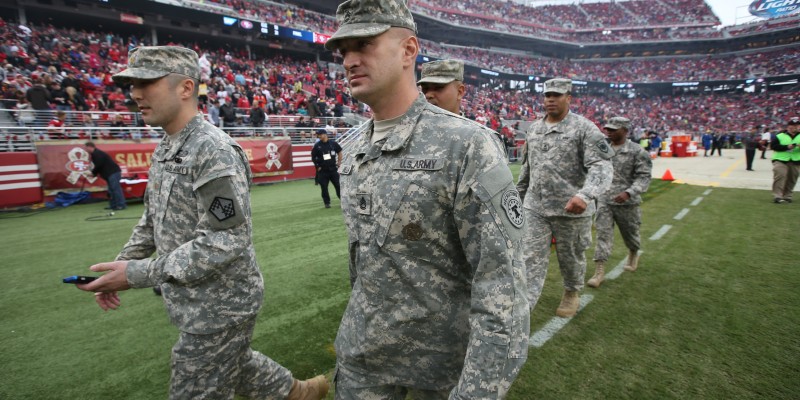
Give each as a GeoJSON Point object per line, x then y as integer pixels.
{"type": "Point", "coordinates": [257, 116]}
{"type": "Point", "coordinates": [751, 143]}
{"type": "Point", "coordinates": [105, 167]}
{"type": "Point", "coordinates": [327, 156]}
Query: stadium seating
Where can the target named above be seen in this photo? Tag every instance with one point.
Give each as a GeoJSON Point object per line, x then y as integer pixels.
{"type": "Point", "coordinates": [288, 86]}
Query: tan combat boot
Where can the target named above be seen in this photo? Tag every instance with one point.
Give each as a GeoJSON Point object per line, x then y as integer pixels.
{"type": "Point", "coordinates": [633, 261]}
{"type": "Point", "coordinates": [569, 305]}
{"type": "Point", "coordinates": [310, 389]}
{"type": "Point", "coordinates": [599, 274]}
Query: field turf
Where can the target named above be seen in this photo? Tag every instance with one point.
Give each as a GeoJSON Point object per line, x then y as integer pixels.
{"type": "Point", "coordinates": [711, 314]}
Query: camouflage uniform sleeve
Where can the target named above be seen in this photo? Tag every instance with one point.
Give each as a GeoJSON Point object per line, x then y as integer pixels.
{"type": "Point", "coordinates": [643, 171]}
{"type": "Point", "coordinates": [597, 161]}
{"type": "Point", "coordinates": [488, 215]}
{"type": "Point", "coordinates": [141, 244]}
{"type": "Point", "coordinates": [222, 233]}
{"type": "Point", "coordinates": [523, 181]}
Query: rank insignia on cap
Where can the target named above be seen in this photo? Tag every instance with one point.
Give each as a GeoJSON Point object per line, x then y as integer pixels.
{"type": "Point", "coordinates": [513, 206]}
{"type": "Point", "coordinates": [222, 208]}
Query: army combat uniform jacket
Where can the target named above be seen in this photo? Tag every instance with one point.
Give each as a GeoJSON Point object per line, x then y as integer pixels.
{"type": "Point", "coordinates": [571, 158]}
{"type": "Point", "coordinates": [632, 172]}
{"type": "Point", "coordinates": [434, 225]}
{"type": "Point", "coordinates": [197, 220]}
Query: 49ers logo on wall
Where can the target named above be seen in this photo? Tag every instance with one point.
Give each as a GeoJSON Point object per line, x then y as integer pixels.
{"type": "Point", "coordinates": [273, 156]}
{"type": "Point", "coordinates": [79, 164]}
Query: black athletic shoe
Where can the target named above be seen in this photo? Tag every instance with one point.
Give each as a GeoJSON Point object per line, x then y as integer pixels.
{"type": "Point", "coordinates": [327, 206]}
{"type": "Point", "coordinates": [779, 201]}
{"type": "Point", "coordinates": [157, 290]}
{"type": "Point", "coordinates": [787, 200]}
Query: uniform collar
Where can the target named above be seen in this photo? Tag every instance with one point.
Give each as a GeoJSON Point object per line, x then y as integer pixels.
{"type": "Point", "coordinates": [400, 135]}
{"type": "Point", "coordinates": [170, 145]}
{"type": "Point", "coordinates": [557, 128]}
{"type": "Point", "coordinates": [624, 148]}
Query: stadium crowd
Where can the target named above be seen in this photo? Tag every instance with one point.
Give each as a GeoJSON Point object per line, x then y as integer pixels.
{"type": "Point", "coordinates": [767, 63]}
{"type": "Point", "coordinates": [627, 21]}
{"type": "Point", "coordinates": [692, 114]}
{"type": "Point", "coordinates": [636, 13]}
{"type": "Point", "coordinates": [48, 68]}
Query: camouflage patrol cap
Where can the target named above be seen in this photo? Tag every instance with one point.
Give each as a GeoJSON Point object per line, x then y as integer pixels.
{"type": "Point", "coordinates": [442, 71]}
{"type": "Point", "coordinates": [153, 62]}
{"type": "Point", "coordinates": [617, 123]}
{"type": "Point", "coordinates": [558, 85]}
{"type": "Point", "coordinates": [365, 18]}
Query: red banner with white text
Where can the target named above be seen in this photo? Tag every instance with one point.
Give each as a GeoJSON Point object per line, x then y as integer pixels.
{"type": "Point", "coordinates": [66, 165]}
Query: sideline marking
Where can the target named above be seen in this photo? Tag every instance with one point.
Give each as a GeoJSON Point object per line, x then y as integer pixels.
{"type": "Point", "coordinates": [730, 169]}
{"type": "Point", "coordinates": [661, 232]}
{"type": "Point", "coordinates": [682, 214]}
{"type": "Point", "coordinates": [619, 269]}
{"type": "Point", "coordinates": [707, 192]}
{"type": "Point", "coordinates": [697, 182]}
{"type": "Point", "coordinates": [540, 337]}
{"type": "Point", "coordinates": [697, 201]}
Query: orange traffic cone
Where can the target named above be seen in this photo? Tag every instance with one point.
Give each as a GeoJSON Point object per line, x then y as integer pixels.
{"type": "Point", "coordinates": [667, 176]}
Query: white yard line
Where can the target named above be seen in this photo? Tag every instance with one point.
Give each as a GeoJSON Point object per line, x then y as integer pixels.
{"type": "Point", "coordinates": [682, 214]}
{"type": "Point", "coordinates": [661, 232]}
{"type": "Point", "coordinates": [540, 337]}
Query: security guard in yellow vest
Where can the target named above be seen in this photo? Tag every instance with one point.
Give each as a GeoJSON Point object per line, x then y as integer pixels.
{"type": "Point", "coordinates": [785, 161]}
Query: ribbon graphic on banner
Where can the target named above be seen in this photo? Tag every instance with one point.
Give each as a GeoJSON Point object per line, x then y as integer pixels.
{"type": "Point", "coordinates": [79, 165]}
{"type": "Point", "coordinates": [273, 156]}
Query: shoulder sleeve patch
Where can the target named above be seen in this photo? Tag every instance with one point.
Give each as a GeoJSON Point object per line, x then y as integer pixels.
{"type": "Point", "coordinates": [603, 149]}
{"type": "Point", "coordinates": [222, 208]}
{"type": "Point", "coordinates": [512, 204]}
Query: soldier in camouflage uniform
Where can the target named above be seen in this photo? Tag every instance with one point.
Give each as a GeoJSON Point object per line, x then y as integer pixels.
{"type": "Point", "coordinates": [620, 204]}
{"type": "Point", "coordinates": [442, 83]}
{"type": "Point", "coordinates": [567, 169]}
{"type": "Point", "coordinates": [438, 306]}
{"type": "Point", "coordinates": [197, 220]}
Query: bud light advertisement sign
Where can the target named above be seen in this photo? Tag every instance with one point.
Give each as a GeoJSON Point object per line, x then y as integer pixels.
{"type": "Point", "coordinates": [774, 8]}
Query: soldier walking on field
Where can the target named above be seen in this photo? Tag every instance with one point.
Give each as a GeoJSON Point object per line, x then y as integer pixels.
{"type": "Point", "coordinates": [197, 221]}
{"type": "Point", "coordinates": [567, 169]}
{"type": "Point", "coordinates": [620, 205]}
{"type": "Point", "coordinates": [438, 307]}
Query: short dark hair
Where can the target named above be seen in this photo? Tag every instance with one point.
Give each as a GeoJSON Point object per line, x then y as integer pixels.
{"type": "Point", "coordinates": [90, 144]}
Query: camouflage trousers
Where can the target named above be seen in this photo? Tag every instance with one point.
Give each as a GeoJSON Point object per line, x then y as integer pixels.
{"type": "Point", "coordinates": [347, 389]}
{"type": "Point", "coordinates": [217, 365]}
{"type": "Point", "coordinates": [573, 237]}
{"type": "Point", "coordinates": [628, 218]}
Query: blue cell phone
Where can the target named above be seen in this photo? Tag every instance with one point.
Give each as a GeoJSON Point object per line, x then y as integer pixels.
{"type": "Point", "coordinates": [77, 279]}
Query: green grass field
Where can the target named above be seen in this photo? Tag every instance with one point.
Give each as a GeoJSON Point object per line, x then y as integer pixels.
{"type": "Point", "coordinates": [711, 314]}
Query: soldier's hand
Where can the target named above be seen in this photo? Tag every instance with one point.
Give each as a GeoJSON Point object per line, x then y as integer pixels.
{"type": "Point", "coordinates": [115, 280]}
{"type": "Point", "coordinates": [622, 197]}
{"type": "Point", "coordinates": [576, 205]}
{"type": "Point", "coordinates": [107, 301]}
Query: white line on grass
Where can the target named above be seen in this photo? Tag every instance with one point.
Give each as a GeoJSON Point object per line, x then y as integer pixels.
{"type": "Point", "coordinates": [697, 201]}
{"type": "Point", "coordinates": [617, 271]}
{"type": "Point", "coordinates": [682, 214]}
{"type": "Point", "coordinates": [540, 337]}
{"type": "Point", "coordinates": [707, 192]}
{"type": "Point", "coordinates": [661, 232]}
